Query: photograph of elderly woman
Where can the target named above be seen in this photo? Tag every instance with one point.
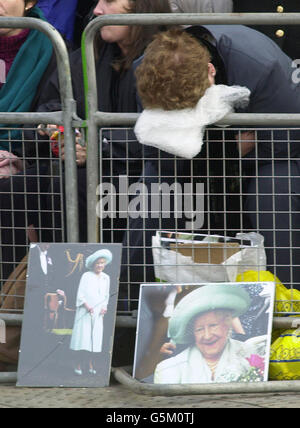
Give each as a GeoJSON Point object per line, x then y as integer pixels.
{"type": "Point", "coordinates": [69, 315]}
{"type": "Point", "coordinates": [204, 333]}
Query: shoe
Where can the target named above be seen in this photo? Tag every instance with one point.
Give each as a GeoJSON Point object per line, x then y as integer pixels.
{"type": "Point", "coordinates": [92, 371]}
{"type": "Point", "coordinates": [78, 372]}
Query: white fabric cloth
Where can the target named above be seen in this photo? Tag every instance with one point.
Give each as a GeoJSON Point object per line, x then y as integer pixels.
{"type": "Point", "coordinates": [180, 132]}
{"type": "Point", "coordinates": [190, 367]}
{"type": "Point", "coordinates": [88, 329]}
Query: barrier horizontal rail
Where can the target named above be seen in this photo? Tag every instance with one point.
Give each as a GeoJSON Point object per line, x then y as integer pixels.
{"type": "Point", "coordinates": [32, 118]}
{"type": "Point", "coordinates": [198, 18]}
{"type": "Point", "coordinates": [129, 321]}
{"type": "Point", "coordinates": [260, 119]}
{"type": "Point", "coordinates": [128, 119]}
{"type": "Point", "coordinates": [11, 319]}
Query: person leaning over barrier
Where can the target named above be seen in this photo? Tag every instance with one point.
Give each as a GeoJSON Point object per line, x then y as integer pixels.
{"type": "Point", "coordinates": [202, 321]}
{"type": "Point", "coordinates": [186, 80]}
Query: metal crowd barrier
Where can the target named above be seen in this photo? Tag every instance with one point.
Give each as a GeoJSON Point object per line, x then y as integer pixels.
{"type": "Point", "coordinates": [97, 119]}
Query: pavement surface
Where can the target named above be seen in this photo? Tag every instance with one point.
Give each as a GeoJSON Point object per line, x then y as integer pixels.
{"type": "Point", "coordinates": [117, 396]}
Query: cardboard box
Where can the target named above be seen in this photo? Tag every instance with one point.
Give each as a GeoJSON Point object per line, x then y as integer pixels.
{"type": "Point", "coordinates": [212, 253]}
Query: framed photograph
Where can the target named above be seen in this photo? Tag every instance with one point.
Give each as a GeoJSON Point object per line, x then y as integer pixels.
{"type": "Point", "coordinates": [69, 314]}
{"type": "Point", "coordinates": [204, 333]}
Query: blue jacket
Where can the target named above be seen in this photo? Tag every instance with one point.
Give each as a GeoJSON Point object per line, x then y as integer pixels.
{"type": "Point", "coordinates": [61, 14]}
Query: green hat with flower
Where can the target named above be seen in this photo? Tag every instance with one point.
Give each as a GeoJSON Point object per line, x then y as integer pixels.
{"type": "Point", "coordinates": [206, 298]}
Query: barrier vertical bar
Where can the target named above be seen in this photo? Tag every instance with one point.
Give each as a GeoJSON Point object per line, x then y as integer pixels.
{"type": "Point", "coordinates": [91, 104]}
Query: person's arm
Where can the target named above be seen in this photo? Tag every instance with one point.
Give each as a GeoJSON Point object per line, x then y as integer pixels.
{"type": "Point", "coordinates": [80, 147]}
{"type": "Point", "coordinates": [47, 95]}
{"type": "Point", "coordinates": [245, 142]}
{"type": "Point", "coordinates": [50, 101]}
{"type": "Point", "coordinates": [81, 299]}
{"type": "Point", "coordinates": [90, 309]}
{"type": "Point", "coordinates": [167, 348]}
{"type": "Point", "coordinates": [10, 164]}
{"type": "Point", "coordinates": [106, 296]}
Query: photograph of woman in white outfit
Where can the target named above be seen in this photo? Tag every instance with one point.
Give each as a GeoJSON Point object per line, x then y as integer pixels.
{"type": "Point", "coordinates": [91, 307]}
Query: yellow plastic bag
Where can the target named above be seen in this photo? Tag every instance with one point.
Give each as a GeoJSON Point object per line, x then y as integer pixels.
{"type": "Point", "coordinates": [285, 356]}
{"type": "Point", "coordinates": [287, 302]}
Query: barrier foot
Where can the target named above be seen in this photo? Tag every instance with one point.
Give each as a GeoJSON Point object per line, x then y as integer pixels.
{"type": "Point", "coordinates": [8, 377]}
{"type": "Point", "coordinates": [122, 376]}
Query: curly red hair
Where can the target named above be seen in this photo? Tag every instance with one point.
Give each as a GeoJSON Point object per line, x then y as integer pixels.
{"type": "Point", "coordinates": [174, 71]}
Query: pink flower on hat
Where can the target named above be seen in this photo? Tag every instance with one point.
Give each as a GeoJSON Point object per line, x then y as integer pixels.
{"type": "Point", "coordinates": [256, 361]}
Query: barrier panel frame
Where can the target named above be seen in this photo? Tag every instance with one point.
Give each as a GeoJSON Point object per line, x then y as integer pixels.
{"type": "Point", "coordinates": [67, 117]}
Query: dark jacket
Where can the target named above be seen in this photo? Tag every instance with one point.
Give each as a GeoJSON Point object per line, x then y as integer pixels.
{"type": "Point", "coordinates": [116, 93]}
{"type": "Point", "coordinates": [286, 36]}
{"type": "Point", "coordinates": [42, 150]}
